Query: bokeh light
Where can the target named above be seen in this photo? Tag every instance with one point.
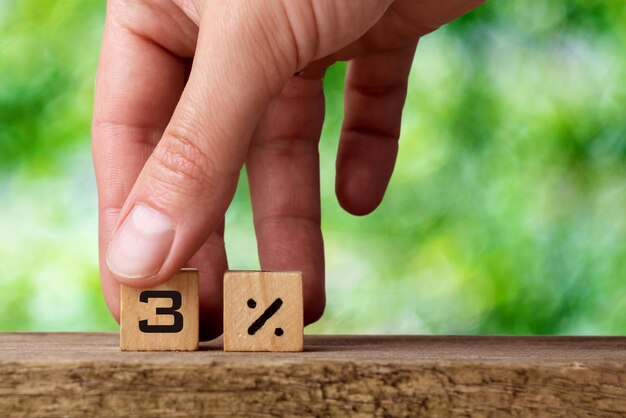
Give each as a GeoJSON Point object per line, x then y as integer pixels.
{"type": "Point", "coordinates": [504, 215]}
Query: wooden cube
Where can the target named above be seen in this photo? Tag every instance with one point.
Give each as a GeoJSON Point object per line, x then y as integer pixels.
{"type": "Point", "coordinates": [163, 318]}
{"type": "Point", "coordinates": [263, 311]}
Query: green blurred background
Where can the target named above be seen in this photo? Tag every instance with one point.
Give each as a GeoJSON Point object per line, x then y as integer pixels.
{"type": "Point", "coordinates": [505, 213]}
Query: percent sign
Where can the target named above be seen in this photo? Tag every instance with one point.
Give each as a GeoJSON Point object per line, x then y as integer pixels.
{"type": "Point", "coordinates": [267, 314]}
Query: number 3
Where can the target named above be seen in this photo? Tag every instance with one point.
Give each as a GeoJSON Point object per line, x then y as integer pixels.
{"type": "Point", "coordinates": [176, 299]}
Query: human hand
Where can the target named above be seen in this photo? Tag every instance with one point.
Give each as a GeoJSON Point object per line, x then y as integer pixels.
{"type": "Point", "coordinates": [170, 138]}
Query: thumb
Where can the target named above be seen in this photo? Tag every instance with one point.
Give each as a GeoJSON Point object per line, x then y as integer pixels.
{"type": "Point", "coordinates": [186, 185]}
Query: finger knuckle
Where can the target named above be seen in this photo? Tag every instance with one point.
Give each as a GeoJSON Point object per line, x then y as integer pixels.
{"type": "Point", "coordinates": [302, 29]}
{"type": "Point", "coordinates": [183, 165]}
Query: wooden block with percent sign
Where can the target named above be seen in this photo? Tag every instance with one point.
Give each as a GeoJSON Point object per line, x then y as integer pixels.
{"type": "Point", "coordinates": [163, 318]}
{"type": "Point", "coordinates": [263, 311]}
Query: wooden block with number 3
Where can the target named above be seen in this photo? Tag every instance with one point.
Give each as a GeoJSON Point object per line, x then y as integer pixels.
{"type": "Point", "coordinates": [163, 318]}
{"type": "Point", "coordinates": [263, 311]}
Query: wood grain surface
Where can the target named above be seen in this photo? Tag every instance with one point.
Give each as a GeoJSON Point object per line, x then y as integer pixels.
{"type": "Point", "coordinates": [79, 375]}
{"type": "Point", "coordinates": [247, 294]}
{"type": "Point", "coordinates": [132, 310]}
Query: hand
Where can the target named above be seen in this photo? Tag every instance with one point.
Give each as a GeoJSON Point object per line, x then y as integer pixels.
{"type": "Point", "coordinates": [170, 138]}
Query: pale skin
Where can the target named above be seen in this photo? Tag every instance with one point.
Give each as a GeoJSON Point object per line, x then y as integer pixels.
{"type": "Point", "coordinates": [170, 138]}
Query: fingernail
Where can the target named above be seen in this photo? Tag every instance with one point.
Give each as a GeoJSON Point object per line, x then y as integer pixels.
{"type": "Point", "coordinates": [141, 244]}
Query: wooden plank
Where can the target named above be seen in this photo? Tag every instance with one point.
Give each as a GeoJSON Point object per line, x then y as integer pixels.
{"type": "Point", "coordinates": [86, 375]}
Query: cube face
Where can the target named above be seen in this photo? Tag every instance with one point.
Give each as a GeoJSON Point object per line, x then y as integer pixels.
{"type": "Point", "coordinates": [163, 318]}
{"type": "Point", "coordinates": [263, 311]}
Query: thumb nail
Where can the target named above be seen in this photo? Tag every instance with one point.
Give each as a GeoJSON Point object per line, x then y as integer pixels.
{"type": "Point", "coordinates": [141, 244]}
